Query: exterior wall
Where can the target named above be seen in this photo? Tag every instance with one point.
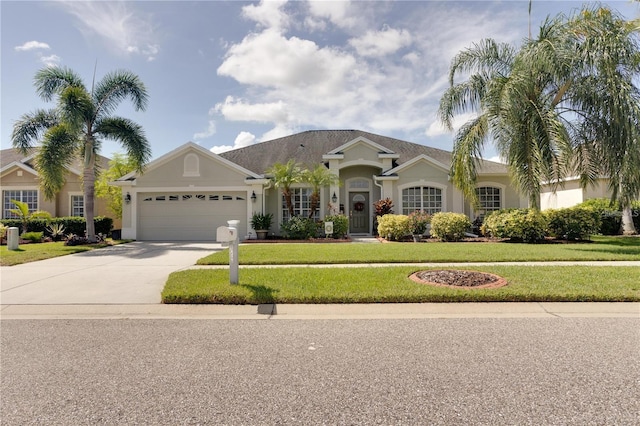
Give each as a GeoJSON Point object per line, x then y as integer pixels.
{"type": "Point", "coordinates": [423, 173]}
{"type": "Point", "coordinates": [360, 152]}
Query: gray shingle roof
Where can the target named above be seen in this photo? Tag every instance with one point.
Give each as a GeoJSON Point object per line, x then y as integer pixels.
{"type": "Point", "coordinates": [309, 147]}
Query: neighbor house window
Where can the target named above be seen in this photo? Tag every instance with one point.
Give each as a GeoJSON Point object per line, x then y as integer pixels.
{"type": "Point", "coordinates": [489, 199]}
{"type": "Point", "coordinates": [421, 198]}
{"type": "Point", "coordinates": [77, 205]}
{"type": "Point", "coordinates": [301, 200]}
{"type": "Point", "coordinates": [29, 196]}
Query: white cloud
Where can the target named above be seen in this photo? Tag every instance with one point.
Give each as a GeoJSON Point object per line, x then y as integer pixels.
{"type": "Point", "coordinates": [339, 13]}
{"type": "Point", "coordinates": [438, 129]}
{"type": "Point", "coordinates": [238, 110]}
{"type": "Point", "coordinates": [211, 128]}
{"type": "Point", "coordinates": [122, 29]}
{"type": "Point", "coordinates": [32, 45]}
{"type": "Point", "coordinates": [51, 60]}
{"type": "Point", "coordinates": [267, 13]}
{"type": "Point", "coordinates": [381, 43]}
{"type": "Point", "coordinates": [497, 159]}
{"type": "Point", "coordinates": [243, 139]}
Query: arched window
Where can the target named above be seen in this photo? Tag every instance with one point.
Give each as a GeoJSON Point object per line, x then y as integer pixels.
{"type": "Point", "coordinates": [191, 165]}
{"type": "Point", "coordinates": [422, 198]}
{"type": "Point", "coordinates": [489, 199]}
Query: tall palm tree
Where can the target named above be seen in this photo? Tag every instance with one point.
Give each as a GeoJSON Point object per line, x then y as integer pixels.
{"type": "Point", "coordinates": [318, 178]}
{"type": "Point", "coordinates": [77, 126]}
{"type": "Point", "coordinates": [606, 93]}
{"type": "Point", "coordinates": [283, 176]}
{"type": "Point", "coordinates": [563, 103]}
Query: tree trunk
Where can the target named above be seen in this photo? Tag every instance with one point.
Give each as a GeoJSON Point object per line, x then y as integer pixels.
{"type": "Point", "coordinates": [628, 228]}
{"type": "Point", "coordinates": [89, 179]}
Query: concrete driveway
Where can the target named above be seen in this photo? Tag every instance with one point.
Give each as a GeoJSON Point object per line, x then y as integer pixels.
{"type": "Point", "coordinates": [132, 273]}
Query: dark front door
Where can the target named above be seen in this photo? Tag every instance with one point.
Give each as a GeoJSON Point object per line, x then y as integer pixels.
{"type": "Point", "coordinates": [359, 212]}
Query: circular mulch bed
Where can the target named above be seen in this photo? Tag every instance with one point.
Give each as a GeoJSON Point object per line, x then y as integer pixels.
{"type": "Point", "coordinates": [458, 279]}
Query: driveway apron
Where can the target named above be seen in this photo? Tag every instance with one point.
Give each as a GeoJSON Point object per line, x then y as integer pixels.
{"type": "Point", "coordinates": [132, 273]}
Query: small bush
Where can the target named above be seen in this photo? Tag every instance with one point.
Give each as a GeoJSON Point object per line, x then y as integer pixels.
{"type": "Point", "coordinates": [3, 231]}
{"type": "Point", "coordinates": [300, 228]}
{"type": "Point", "coordinates": [340, 225]}
{"type": "Point", "coordinates": [526, 225]}
{"type": "Point", "coordinates": [34, 237]}
{"type": "Point", "coordinates": [449, 226]}
{"type": "Point", "coordinates": [383, 207]}
{"type": "Point", "coordinates": [610, 214]}
{"type": "Point", "coordinates": [394, 226]}
{"type": "Point", "coordinates": [576, 223]}
{"type": "Point", "coordinates": [418, 222]}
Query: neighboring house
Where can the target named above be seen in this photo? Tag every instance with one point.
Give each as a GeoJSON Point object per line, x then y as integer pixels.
{"type": "Point", "coordinates": [19, 181]}
{"type": "Point", "coordinates": [571, 193]}
{"type": "Point", "coordinates": [189, 192]}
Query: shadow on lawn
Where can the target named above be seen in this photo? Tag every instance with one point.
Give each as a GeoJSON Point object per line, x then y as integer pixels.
{"type": "Point", "coordinates": [261, 294]}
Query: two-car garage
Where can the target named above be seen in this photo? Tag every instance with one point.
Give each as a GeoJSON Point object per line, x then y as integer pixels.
{"type": "Point", "coordinates": [188, 216]}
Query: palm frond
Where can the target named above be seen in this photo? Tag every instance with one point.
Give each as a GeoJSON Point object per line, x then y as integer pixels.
{"type": "Point", "coordinates": [49, 81]}
{"type": "Point", "coordinates": [30, 128]}
{"type": "Point", "coordinates": [59, 149]}
{"type": "Point", "coordinates": [129, 134]}
{"type": "Point", "coordinates": [117, 86]}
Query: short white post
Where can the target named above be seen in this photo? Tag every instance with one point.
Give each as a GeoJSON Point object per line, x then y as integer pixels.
{"type": "Point", "coordinates": [233, 252]}
{"type": "Point", "coordinates": [13, 238]}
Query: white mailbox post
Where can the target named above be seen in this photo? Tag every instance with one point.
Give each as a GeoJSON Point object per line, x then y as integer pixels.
{"type": "Point", "coordinates": [13, 238]}
{"type": "Point", "coordinates": [229, 235]}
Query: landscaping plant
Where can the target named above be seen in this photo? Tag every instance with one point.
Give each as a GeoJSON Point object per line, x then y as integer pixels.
{"type": "Point", "coordinates": [448, 226]}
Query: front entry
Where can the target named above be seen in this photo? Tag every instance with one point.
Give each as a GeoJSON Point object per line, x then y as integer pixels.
{"type": "Point", "coordinates": [359, 212]}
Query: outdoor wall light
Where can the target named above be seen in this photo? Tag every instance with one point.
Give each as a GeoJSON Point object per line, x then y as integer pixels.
{"type": "Point", "coordinates": [253, 196]}
{"type": "Point", "coordinates": [127, 198]}
{"type": "Point", "coordinates": [334, 198]}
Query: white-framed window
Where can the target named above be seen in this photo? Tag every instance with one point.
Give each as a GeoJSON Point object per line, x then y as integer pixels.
{"type": "Point", "coordinates": [427, 199]}
{"type": "Point", "coordinates": [77, 205]}
{"type": "Point", "coordinates": [29, 196]}
{"type": "Point", "coordinates": [489, 199]}
{"type": "Point", "coordinates": [191, 166]}
{"type": "Point", "coordinates": [301, 200]}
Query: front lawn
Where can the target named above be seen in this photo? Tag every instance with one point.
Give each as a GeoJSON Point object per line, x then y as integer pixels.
{"type": "Point", "coordinates": [601, 248]}
{"type": "Point", "coordinates": [40, 251]}
{"type": "Point", "coordinates": [392, 285]}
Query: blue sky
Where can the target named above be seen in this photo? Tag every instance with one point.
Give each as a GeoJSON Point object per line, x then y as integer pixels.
{"type": "Point", "coordinates": [229, 74]}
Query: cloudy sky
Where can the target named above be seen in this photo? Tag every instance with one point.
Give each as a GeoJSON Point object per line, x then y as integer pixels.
{"type": "Point", "coordinates": [229, 74]}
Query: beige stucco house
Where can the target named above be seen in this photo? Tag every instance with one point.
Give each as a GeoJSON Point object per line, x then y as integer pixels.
{"type": "Point", "coordinates": [187, 193]}
{"type": "Point", "coordinates": [19, 181]}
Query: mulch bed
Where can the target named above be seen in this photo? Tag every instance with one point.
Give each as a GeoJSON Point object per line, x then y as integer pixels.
{"type": "Point", "coordinates": [458, 279]}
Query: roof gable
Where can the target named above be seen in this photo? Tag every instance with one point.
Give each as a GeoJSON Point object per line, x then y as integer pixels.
{"type": "Point", "coordinates": [185, 149]}
{"type": "Point", "coordinates": [421, 158]}
{"type": "Point", "coordinates": [360, 141]}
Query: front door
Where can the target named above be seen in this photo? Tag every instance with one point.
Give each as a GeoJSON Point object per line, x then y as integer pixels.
{"type": "Point", "coordinates": [359, 212]}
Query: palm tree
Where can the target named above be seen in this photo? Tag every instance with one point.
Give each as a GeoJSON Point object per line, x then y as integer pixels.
{"type": "Point", "coordinates": [283, 176]}
{"type": "Point", "coordinates": [563, 103]}
{"type": "Point", "coordinates": [76, 128]}
{"type": "Point", "coordinates": [318, 178]}
{"type": "Point", "coordinates": [608, 97]}
{"type": "Point", "coordinates": [513, 98]}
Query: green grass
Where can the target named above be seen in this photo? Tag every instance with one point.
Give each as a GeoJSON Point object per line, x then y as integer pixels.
{"type": "Point", "coordinates": [32, 252]}
{"type": "Point", "coordinates": [601, 248]}
{"type": "Point", "coordinates": [392, 285]}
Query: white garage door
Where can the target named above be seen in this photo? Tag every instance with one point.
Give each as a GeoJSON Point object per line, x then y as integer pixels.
{"type": "Point", "coordinates": [188, 216]}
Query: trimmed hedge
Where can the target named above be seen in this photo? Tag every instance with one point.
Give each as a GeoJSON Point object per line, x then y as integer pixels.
{"type": "Point", "coordinates": [449, 226]}
{"type": "Point", "coordinates": [526, 225]}
{"type": "Point", "coordinates": [393, 227]}
{"type": "Point", "coordinates": [72, 224]}
{"type": "Point", "coordinates": [575, 223]}
{"type": "Point", "coordinates": [611, 214]}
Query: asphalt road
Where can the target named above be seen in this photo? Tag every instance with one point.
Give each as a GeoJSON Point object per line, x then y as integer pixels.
{"type": "Point", "coordinates": [491, 371]}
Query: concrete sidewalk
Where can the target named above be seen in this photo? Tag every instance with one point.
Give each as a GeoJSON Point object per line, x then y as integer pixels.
{"type": "Point", "coordinates": [328, 312]}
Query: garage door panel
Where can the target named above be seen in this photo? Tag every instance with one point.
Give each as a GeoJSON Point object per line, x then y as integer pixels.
{"type": "Point", "coordinates": [188, 216]}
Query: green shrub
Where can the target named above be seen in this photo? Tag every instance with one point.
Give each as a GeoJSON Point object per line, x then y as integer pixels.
{"type": "Point", "coordinates": [610, 214]}
{"type": "Point", "coordinates": [419, 222]}
{"type": "Point", "coordinates": [34, 237]}
{"type": "Point", "coordinates": [300, 228]}
{"type": "Point", "coordinates": [526, 225]}
{"type": "Point", "coordinates": [575, 223]}
{"type": "Point", "coordinates": [449, 226]}
{"type": "Point", "coordinates": [3, 231]}
{"type": "Point", "coordinates": [340, 225]}
{"type": "Point", "coordinates": [393, 226]}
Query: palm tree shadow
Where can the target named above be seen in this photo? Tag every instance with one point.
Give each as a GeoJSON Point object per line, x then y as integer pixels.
{"type": "Point", "coordinates": [261, 294]}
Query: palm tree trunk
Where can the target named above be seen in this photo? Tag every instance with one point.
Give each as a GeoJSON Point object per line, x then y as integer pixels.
{"type": "Point", "coordinates": [628, 227]}
{"type": "Point", "coordinates": [89, 179]}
